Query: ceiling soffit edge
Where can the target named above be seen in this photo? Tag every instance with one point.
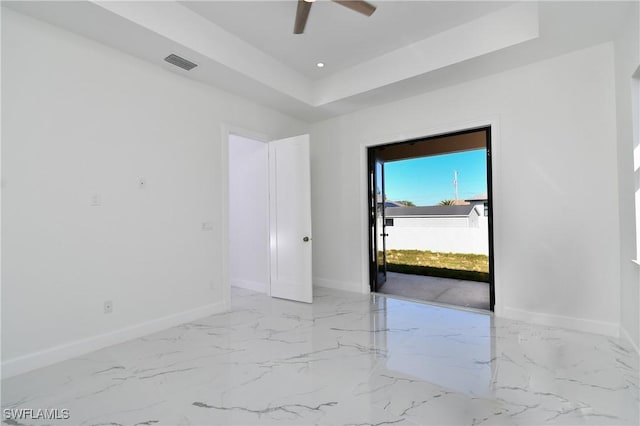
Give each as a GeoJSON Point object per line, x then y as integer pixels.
{"type": "Point", "coordinates": [495, 31]}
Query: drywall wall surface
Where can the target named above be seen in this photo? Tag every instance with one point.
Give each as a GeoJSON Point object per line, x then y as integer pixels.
{"type": "Point", "coordinates": [248, 213]}
{"type": "Point", "coordinates": [554, 148]}
{"type": "Point", "coordinates": [112, 188]}
{"type": "Point", "coordinates": [627, 62]}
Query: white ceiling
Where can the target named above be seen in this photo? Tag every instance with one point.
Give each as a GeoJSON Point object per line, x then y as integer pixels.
{"type": "Point", "coordinates": [405, 48]}
{"type": "Point", "coordinates": [334, 34]}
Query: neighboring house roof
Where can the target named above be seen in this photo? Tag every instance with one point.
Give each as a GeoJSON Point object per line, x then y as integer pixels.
{"type": "Point", "coordinates": [478, 197]}
{"type": "Point", "coordinates": [464, 210]}
{"type": "Point", "coordinates": [390, 203]}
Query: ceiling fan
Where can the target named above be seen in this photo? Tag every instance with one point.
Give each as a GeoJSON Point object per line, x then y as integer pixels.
{"type": "Point", "coordinates": [304, 6]}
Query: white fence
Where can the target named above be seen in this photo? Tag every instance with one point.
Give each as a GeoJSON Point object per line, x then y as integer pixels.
{"type": "Point", "coordinates": [447, 240]}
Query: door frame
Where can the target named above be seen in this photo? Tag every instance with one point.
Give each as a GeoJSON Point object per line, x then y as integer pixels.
{"type": "Point", "coordinates": [374, 232]}
{"type": "Point", "coordinates": [493, 188]}
{"type": "Point", "coordinates": [224, 277]}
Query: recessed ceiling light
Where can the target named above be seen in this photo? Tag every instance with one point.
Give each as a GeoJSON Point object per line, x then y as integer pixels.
{"type": "Point", "coordinates": [320, 65]}
{"type": "Point", "coordinates": [309, 1]}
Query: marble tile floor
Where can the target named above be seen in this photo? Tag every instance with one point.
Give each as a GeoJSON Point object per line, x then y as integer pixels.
{"type": "Point", "coordinates": [347, 359]}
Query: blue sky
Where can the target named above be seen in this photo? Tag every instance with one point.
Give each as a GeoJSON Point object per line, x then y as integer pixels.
{"type": "Point", "coordinates": [428, 180]}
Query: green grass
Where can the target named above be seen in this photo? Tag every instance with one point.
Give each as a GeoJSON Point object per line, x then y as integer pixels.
{"type": "Point", "coordinates": [473, 267]}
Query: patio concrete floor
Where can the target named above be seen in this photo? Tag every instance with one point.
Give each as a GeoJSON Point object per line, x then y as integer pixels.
{"type": "Point", "coordinates": [470, 294]}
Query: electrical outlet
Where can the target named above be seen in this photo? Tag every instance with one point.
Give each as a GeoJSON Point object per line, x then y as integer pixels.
{"type": "Point", "coordinates": [207, 226]}
{"type": "Point", "coordinates": [108, 307]}
{"type": "Point", "coordinates": [96, 200]}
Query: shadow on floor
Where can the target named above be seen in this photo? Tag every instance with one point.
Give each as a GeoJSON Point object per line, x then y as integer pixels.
{"type": "Point", "coordinates": [469, 294]}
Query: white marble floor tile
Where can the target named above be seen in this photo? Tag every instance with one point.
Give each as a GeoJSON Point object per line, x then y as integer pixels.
{"type": "Point", "coordinates": [345, 359]}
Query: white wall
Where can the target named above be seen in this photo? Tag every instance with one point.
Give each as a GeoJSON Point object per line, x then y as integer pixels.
{"type": "Point", "coordinates": [431, 222]}
{"type": "Point", "coordinates": [248, 213]}
{"type": "Point", "coordinates": [554, 141]}
{"type": "Point", "coordinates": [445, 240]}
{"type": "Point", "coordinates": [627, 61]}
{"type": "Point", "coordinates": [439, 234]}
{"type": "Point", "coordinates": [81, 119]}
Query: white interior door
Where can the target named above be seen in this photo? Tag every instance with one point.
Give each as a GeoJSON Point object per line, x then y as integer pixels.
{"type": "Point", "coordinates": [290, 218]}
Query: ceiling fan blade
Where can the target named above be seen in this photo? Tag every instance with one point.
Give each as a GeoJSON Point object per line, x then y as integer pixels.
{"type": "Point", "coordinates": [302, 14]}
{"type": "Point", "coordinates": [359, 6]}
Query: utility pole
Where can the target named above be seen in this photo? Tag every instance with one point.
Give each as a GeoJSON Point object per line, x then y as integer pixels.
{"type": "Point", "coordinates": [455, 183]}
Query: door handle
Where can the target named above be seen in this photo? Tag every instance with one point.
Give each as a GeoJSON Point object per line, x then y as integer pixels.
{"type": "Point", "coordinates": [384, 235]}
{"type": "Point", "coordinates": [306, 239]}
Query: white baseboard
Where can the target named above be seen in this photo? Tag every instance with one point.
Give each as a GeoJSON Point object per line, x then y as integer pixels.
{"type": "Point", "coordinates": [32, 361]}
{"type": "Point", "coordinates": [354, 287]}
{"type": "Point", "coordinates": [572, 323]}
{"type": "Point", "coordinates": [625, 335]}
{"type": "Point", "coordinates": [250, 285]}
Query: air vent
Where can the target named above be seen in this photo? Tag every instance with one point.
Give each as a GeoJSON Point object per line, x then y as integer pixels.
{"type": "Point", "coordinates": [180, 62]}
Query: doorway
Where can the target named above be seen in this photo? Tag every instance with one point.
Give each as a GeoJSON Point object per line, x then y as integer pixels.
{"type": "Point", "coordinates": [431, 219]}
{"type": "Point", "coordinates": [248, 213]}
{"type": "Point", "coordinates": [269, 216]}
